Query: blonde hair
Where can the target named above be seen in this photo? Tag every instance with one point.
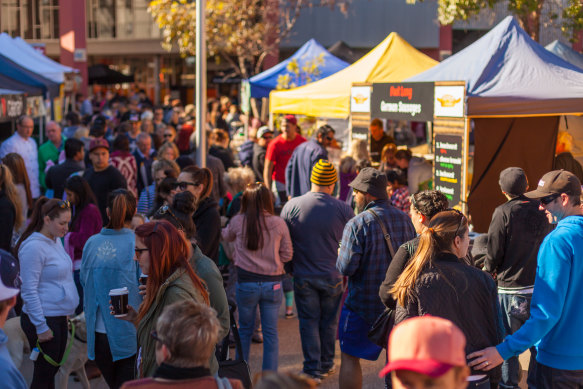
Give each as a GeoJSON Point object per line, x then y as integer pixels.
{"type": "Point", "coordinates": [7, 185]}
{"type": "Point", "coordinates": [358, 150]}
{"type": "Point", "coordinates": [388, 149]}
{"type": "Point", "coordinates": [436, 239]}
{"type": "Point", "coordinates": [190, 331]}
{"type": "Point", "coordinates": [237, 178]}
{"type": "Point", "coordinates": [169, 145]}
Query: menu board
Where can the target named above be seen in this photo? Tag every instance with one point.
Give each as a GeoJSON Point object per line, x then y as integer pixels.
{"type": "Point", "coordinates": [403, 101]}
{"type": "Point", "coordinates": [448, 166]}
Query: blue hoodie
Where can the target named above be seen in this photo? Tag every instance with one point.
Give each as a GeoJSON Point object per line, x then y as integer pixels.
{"type": "Point", "coordinates": [556, 318]}
{"type": "Point", "coordinates": [108, 263]}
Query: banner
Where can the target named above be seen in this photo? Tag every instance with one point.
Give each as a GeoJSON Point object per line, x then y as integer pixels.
{"type": "Point", "coordinates": [12, 107]}
{"type": "Point", "coordinates": [411, 101]}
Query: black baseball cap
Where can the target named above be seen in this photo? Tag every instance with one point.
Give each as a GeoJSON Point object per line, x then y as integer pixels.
{"type": "Point", "coordinates": [371, 181]}
{"type": "Point", "coordinates": [556, 182]}
{"type": "Point", "coordinates": [513, 181]}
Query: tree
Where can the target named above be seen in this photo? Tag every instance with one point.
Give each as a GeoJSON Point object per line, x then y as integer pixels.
{"type": "Point", "coordinates": [528, 13]}
{"type": "Point", "coordinates": [301, 72]}
{"type": "Point", "coordinates": [242, 32]}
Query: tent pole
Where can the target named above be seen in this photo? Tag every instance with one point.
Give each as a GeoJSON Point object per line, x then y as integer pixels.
{"type": "Point", "coordinates": [465, 191]}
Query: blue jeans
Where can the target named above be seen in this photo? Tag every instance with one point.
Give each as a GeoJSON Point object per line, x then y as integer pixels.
{"type": "Point", "coordinates": [268, 296]}
{"type": "Point", "coordinates": [515, 312]}
{"type": "Point", "coordinates": [318, 303]}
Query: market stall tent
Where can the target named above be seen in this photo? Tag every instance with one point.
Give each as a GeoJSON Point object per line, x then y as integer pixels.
{"type": "Point", "coordinates": [567, 53]}
{"type": "Point", "coordinates": [14, 76]}
{"type": "Point", "coordinates": [516, 93]}
{"type": "Point", "coordinates": [391, 60]}
{"type": "Point", "coordinates": [20, 52]}
{"type": "Point", "coordinates": [263, 83]}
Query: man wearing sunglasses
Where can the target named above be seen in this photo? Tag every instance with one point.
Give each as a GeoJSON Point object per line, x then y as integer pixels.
{"type": "Point", "coordinates": [516, 232]}
{"type": "Point", "coordinates": [555, 311]}
{"type": "Point", "coordinates": [303, 159]}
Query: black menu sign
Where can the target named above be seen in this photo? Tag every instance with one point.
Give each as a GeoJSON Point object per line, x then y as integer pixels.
{"type": "Point", "coordinates": [448, 166]}
{"type": "Point", "coordinates": [403, 101]}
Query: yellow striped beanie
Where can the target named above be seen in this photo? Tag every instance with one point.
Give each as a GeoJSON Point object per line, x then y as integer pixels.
{"type": "Point", "coordinates": [324, 173]}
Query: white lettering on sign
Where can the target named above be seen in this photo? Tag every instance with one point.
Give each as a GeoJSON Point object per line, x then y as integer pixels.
{"type": "Point", "coordinates": [455, 161]}
{"type": "Point", "coordinates": [443, 173]}
{"type": "Point", "coordinates": [445, 189]}
{"type": "Point", "coordinates": [447, 146]}
{"type": "Point", "coordinates": [401, 107]}
{"type": "Point", "coordinates": [14, 108]}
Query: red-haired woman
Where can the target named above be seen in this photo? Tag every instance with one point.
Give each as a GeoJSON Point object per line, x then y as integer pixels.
{"type": "Point", "coordinates": [163, 254]}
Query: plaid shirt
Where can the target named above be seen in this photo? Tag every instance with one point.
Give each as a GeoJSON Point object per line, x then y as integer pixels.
{"type": "Point", "coordinates": [401, 199]}
{"type": "Point", "coordinates": [364, 256]}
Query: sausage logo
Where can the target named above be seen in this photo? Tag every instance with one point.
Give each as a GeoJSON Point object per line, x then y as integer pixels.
{"type": "Point", "coordinates": [448, 101]}
{"type": "Point", "coordinates": [360, 99]}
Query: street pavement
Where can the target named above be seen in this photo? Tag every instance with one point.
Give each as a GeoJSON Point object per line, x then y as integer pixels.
{"type": "Point", "coordinates": [290, 360]}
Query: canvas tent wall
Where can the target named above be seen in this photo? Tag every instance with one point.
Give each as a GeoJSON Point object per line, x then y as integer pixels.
{"type": "Point", "coordinates": [391, 60]}
{"type": "Point", "coordinates": [20, 52]}
{"type": "Point", "coordinates": [14, 76]}
{"type": "Point", "coordinates": [263, 83]}
{"type": "Point", "coordinates": [567, 53]}
{"type": "Point", "coordinates": [516, 92]}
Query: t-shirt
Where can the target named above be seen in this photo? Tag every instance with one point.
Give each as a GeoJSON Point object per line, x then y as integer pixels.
{"type": "Point", "coordinates": [376, 147]}
{"type": "Point", "coordinates": [279, 152]}
{"type": "Point", "coordinates": [316, 242]}
{"type": "Point", "coordinates": [102, 183]}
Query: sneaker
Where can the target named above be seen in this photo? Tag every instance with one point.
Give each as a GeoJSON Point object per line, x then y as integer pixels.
{"type": "Point", "coordinates": [328, 372]}
{"type": "Point", "coordinates": [290, 315]}
{"type": "Point", "coordinates": [257, 337]}
{"type": "Point", "coordinates": [314, 377]}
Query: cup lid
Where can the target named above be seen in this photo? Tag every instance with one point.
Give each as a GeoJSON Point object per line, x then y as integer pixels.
{"type": "Point", "coordinates": [114, 292]}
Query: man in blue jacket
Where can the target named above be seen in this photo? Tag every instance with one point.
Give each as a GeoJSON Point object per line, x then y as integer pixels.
{"type": "Point", "coordinates": [303, 159]}
{"type": "Point", "coordinates": [556, 318]}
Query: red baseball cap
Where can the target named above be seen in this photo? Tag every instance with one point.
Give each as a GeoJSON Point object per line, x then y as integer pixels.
{"type": "Point", "coordinates": [292, 119]}
{"type": "Point", "coordinates": [428, 345]}
{"type": "Point", "coordinates": [97, 143]}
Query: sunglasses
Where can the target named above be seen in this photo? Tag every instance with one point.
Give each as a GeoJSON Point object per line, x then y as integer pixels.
{"type": "Point", "coordinates": [182, 185]}
{"type": "Point", "coordinates": [167, 135]}
{"type": "Point", "coordinates": [165, 209]}
{"type": "Point", "coordinates": [330, 138]}
{"type": "Point", "coordinates": [549, 199]}
{"type": "Point", "coordinates": [63, 204]}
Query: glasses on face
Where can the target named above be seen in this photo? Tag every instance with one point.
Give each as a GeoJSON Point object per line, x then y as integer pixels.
{"type": "Point", "coordinates": [267, 137]}
{"type": "Point", "coordinates": [549, 199]}
{"type": "Point", "coordinates": [182, 185]}
{"type": "Point", "coordinates": [166, 210]}
{"type": "Point", "coordinates": [330, 138]}
{"type": "Point", "coordinates": [139, 251]}
{"type": "Point", "coordinates": [167, 135]}
{"type": "Point", "coordinates": [154, 335]}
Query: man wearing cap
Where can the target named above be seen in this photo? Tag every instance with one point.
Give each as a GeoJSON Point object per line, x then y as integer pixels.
{"type": "Point", "coordinates": [364, 257]}
{"type": "Point", "coordinates": [22, 143]}
{"type": "Point", "coordinates": [304, 157]}
{"type": "Point", "coordinates": [516, 232]}
{"type": "Point", "coordinates": [264, 137]}
{"type": "Point", "coordinates": [317, 283]}
{"type": "Point", "coordinates": [102, 177]}
{"type": "Point", "coordinates": [427, 352]}
{"type": "Point", "coordinates": [278, 155]}
{"type": "Point", "coordinates": [556, 317]}
{"type": "Point", "coordinates": [11, 377]}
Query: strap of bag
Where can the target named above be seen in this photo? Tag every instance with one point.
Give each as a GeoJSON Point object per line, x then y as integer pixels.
{"type": "Point", "coordinates": [223, 383]}
{"type": "Point", "coordinates": [50, 360]}
{"type": "Point", "coordinates": [385, 232]}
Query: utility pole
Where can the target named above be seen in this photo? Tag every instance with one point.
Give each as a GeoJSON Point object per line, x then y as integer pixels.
{"type": "Point", "coordinates": [201, 148]}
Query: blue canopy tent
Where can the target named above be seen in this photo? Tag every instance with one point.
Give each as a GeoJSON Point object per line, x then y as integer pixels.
{"type": "Point", "coordinates": [567, 53]}
{"type": "Point", "coordinates": [13, 76]}
{"type": "Point", "coordinates": [516, 92]}
{"type": "Point", "coordinates": [263, 83]}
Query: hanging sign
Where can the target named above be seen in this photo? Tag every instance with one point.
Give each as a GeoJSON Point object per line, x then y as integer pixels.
{"type": "Point", "coordinates": [411, 101]}
{"type": "Point", "coordinates": [449, 101]}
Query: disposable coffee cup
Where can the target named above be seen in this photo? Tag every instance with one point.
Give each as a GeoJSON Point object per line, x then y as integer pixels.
{"type": "Point", "coordinates": [143, 279]}
{"type": "Point", "coordinates": [119, 301]}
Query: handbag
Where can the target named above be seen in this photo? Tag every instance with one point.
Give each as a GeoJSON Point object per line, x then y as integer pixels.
{"type": "Point", "coordinates": [381, 328]}
{"type": "Point", "coordinates": [234, 368]}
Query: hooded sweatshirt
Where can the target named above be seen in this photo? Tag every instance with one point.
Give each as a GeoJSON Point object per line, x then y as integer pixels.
{"type": "Point", "coordinates": [556, 316]}
{"type": "Point", "coordinates": [48, 288]}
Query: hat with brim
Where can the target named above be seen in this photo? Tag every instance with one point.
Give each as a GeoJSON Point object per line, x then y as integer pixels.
{"type": "Point", "coordinates": [371, 181]}
{"type": "Point", "coordinates": [433, 369]}
{"type": "Point", "coordinates": [555, 183]}
{"type": "Point", "coordinates": [98, 143]}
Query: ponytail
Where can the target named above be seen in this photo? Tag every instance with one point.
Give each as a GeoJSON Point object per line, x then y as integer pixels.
{"type": "Point", "coordinates": [7, 185]}
{"type": "Point", "coordinates": [436, 239]}
{"type": "Point", "coordinates": [122, 208]}
{"type": "Point", "coordinates": [202, 176]}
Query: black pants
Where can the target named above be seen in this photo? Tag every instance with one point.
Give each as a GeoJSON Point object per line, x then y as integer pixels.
{"type": "Point", "coordinates": [114, 373]}
{"type": "Point", "coordinates": [551, 378]}
{"type": "Point", "coordinates": [44, 372]}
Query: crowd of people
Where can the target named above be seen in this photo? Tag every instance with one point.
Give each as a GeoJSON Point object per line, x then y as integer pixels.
{"type": "Point", "coordinates": [114, 201]}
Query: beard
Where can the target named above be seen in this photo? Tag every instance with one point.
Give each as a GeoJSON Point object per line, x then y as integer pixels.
{"type": "Point", "coordinates": [360, 204]}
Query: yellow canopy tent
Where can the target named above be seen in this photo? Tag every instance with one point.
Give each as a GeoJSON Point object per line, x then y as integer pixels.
{"type": "Point", "coordinates": [393, 60]}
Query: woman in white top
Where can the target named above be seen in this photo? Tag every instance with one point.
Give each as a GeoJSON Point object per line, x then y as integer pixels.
{"type": "Point", "coordinates": [48, 291]}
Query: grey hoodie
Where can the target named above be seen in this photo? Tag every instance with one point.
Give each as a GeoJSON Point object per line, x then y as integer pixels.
{"type": "Point", "coordinates": [48, 288]}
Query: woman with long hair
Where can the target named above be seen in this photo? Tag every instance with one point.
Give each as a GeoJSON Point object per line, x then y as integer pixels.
{"type": "Point", "coordinates": [162, 253]}
{"type": "Point", "coordinates": [108, 263]}
{"type": "Point", "coordinates": [424, 205]}
{"type": "Point", "coordinates": [10, 208]}
{"type": "Point", "coordinates": [438, 283]}
{"type": "Point", "coordinates": [161, 168]}
{"type": "Point", "coordinates": [199, 182]}
{"type": "Point", "coordinates": [48, 290]}
{"type": "Point", "coordinates": [262, 246]}
{"type": "Point", "coordinates": [86, 223]}
{"type": "Point", "coordinates": [20, 179]}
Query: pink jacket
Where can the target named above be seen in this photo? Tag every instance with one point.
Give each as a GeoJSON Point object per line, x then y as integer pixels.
{"type": "Point", "coordinates": [268, 260]}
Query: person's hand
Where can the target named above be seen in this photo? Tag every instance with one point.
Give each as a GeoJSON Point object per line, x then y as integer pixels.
{"type": "Point", "coordinates": [131, 315]}
{"type": "Point", "coordinates": [142, 290]}
{"type": "Point", "coordinates": [485, 359]}
{"type": "Point", "coordinates": [45, 336]}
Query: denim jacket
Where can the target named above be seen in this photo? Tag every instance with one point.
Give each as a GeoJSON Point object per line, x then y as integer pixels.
{"type": "Point", "coordinates": [108, 263]}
